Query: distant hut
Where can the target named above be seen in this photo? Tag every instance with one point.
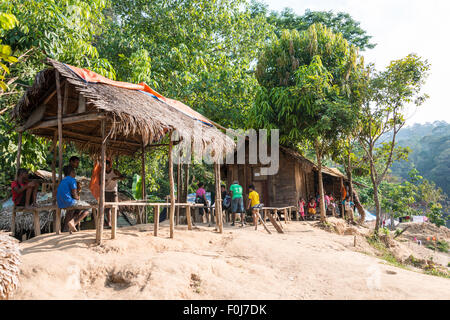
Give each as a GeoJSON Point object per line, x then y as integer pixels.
{"type": "Point", "coordinates": [297, 178]}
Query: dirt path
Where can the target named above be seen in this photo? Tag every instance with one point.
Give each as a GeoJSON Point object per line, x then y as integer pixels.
{"type": "Point", "coordinates": [304, 263]}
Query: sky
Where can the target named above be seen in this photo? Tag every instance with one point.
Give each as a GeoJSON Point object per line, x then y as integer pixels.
{"type": "Point", "coordinates": [400, 27]}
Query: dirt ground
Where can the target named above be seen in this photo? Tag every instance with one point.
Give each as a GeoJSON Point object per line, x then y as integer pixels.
{"type": "Point", "coordinates": [304, 263]}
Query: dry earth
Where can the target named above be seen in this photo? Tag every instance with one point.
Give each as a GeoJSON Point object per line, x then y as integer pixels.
{"type": "Point", "coordinates": [304, 263]}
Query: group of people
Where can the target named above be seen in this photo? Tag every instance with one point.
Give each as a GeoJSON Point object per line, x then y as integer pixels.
{"type": "Point", "coordinates": [232, 201]}
{"type": "Point", "coordinates": [330, 206]}
{"type": "Point", "coordinates": [24, 192]}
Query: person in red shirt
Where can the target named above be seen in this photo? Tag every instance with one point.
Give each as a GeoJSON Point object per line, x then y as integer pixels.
{"type": "Point", "coordinates": [312, 207]}
{"type": "Point", "coordinates": [24, 192]}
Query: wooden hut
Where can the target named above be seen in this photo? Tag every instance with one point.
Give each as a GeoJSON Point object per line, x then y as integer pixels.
{"type": "Point", "coordinates": [297, 178]}
{"type": "Point", "coordinates": [105, 118]}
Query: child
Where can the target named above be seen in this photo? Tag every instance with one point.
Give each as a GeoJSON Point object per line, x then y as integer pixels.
{"type": "Point", "coordinates": [67, 194]}
{"type": "Point", "coordinates": [200, 197]}
{"type": "Point", "coordinates": [254, 203]}
{"type": "Point", "coordinates": [24, 191]}
{"type": "Point", "coordinates": [312, 205]}
{"type": "Point", "coordinates": [301, 208]}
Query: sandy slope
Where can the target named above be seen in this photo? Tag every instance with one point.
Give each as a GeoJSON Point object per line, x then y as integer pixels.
{"type": "Point", "coordinates": [304, 263]}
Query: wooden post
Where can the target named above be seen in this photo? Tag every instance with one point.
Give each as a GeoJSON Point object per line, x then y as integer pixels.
{"type": "Point", "coordinates": [101, 203]}
{"type": "Point", "coordinates": [218, 203]}
{"type": "Point", "coordinates": [13, 221]}
{"type": "Point", "coordinates": [155, 220]}
{"type": "Point", "coordinates": [274, 222]}
{"type": "Point", "coordinates": [171, 182]}
{"type": "Point", "coordinates": [37, 224]}
{"type": "Point", "coordinates": [285, 212]}
{"type": "Point", "coordinates": [188, 217]}
{"type": "Point", "coordinates": [19, 152]}
{"type": "Point", "coordinates": [144, 193]}
{"type": "Point", "coordinates": [114, 221]}
{"type": "Point", "coordinates": [177, 220]}
{"type": "Point", "coordinates": [60, 145]}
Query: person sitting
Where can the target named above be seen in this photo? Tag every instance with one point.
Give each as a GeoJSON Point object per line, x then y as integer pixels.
{"type": "Point", "coordinates": [74, 162]}
{"type": "Point", "coordinates": [312, 205]}
{"type": "Point", "coordinates": [24, 192]}
{"type": "Point", "coordinates": [67, 194]}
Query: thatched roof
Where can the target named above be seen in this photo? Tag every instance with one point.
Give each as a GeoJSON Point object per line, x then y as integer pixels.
{"type": "Point", "coordinates": [334, 172]}
{"type": "Point", "coordinates": [9, 265]}
{"type": "Point", "coordinates": [132, 117]}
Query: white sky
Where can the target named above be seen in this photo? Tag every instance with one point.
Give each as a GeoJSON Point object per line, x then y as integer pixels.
{"type": "Point", "coordinates": [400, 27]}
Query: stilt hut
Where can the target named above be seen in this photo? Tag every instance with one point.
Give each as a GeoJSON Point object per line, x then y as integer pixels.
{"type": "Point", "coordinates": [107, 118]}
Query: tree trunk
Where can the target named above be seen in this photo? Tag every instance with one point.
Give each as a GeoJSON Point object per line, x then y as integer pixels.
{"type": "Point", "coordinates": [323, 216]}
{"type": "Point", "coordinates": [376, 199]}
{"type": "Point", "coordinates": [359, 206]}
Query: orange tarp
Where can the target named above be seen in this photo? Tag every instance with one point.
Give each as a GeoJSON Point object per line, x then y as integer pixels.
{"type": "Point", "coordinates": [91, 76]}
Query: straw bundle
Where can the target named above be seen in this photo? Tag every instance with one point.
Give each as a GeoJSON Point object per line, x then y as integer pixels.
{"type": "Point", "coordinates": [9, 266]}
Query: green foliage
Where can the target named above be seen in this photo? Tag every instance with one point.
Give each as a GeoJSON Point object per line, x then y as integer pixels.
{"type": "Point", "coordinates": [7, 22]}
{"type": "Point", "coordinates": [198, 51]}
{"type": "Point", "coordinates": [436, 215]}
{"type": "Point", "coordinates": [430, 144]}
{"type": "Point", "coordinates": [340, 22]}
{"type": "Point", "coordinates": [304, 91]}
{"type": "Point", "coordinates": [385, 95]}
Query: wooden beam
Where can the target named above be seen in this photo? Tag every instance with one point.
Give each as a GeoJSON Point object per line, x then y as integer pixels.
{"type": "Point", "coordinates": [144, 193]}
{"type": "Point", "coordinates": [19, 151]}
{"type": "Point", "coordinates": [69, 119]}
{"type": "Point", "coordinates": [218, 202]}
{"type": "Point", "coordinates": [274, 222]}
{"type": "Point", "coordinates": [177, 221]}
{"type": "Point", "coordinates": [36, 224]}
{"type": "Point", "coordinates": [155, 220]}
{"type": "Point", "coordinates": [60, 145]}
{"type": "Point", "coordinates": [81, 103]}
{"type": "Point", "coordinates": [101, 203]}
{"type": "Point", "coordinates": [171, 183]}
{"type": "Point", "coordinates": [114, 212]}
{"type": "Point", "coordinates": [188, 217]}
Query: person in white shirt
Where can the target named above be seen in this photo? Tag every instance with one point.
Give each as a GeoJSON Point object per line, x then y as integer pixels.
{"type": "Point", "coordinates": [111, 192]}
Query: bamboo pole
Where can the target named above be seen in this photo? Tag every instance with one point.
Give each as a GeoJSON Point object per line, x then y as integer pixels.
{"type": "Point", "coordinates": [218, 202]}
{"type": "Point", "coordinates": [177, 222]}
{"type": "Point", "coordinates": [60, 145]}
{"type": "Point", "coordinates": [113, 222]}
{"type": "Point", "coordinates": [171, 182]}
{"type": "Point", "coordinates": [188, 217]}
{"type": "Point", "coordinates": [143, 219]}
{"type": "Point", "coordinates": [19, 151]}
{"type": "Point", "coordinates": [155, 220]}
{"type": "Point", "coordinates": [101, 203]}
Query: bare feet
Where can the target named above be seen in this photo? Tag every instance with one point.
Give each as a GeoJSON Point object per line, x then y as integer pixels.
{"type": "Point", "coordinates": [72, 228]}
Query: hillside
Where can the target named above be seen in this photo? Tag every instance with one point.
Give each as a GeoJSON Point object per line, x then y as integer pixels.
{"type": "Point", "coordinates": [430, 144]}
{"type": "Point", "coordinates": [304, 263]}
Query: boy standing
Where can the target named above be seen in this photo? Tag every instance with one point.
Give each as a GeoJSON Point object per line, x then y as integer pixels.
{"type": "Point", "coordinates": [254, 203]}
{"type": "Point", "coordinates": [237, 202]}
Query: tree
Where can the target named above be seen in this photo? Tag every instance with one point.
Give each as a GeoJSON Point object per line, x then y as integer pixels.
{"type": "Point", "coordinates": [197, 51]}
{"type": "Point", "coordinates": [306, 90]}
{"type": "Point", "coordinates": [340, 22]}
{"type": "Point", "coordinates": [385, 98]}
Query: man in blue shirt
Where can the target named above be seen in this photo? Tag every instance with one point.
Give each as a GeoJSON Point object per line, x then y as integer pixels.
{"type": "Point", "coordinates": [67, 195]}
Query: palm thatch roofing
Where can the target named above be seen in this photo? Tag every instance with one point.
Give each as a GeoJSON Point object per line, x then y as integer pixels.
{"type": "Point", "coordinates": [9, 266]}
{"type": "Point", "coordinates": [133, 118]}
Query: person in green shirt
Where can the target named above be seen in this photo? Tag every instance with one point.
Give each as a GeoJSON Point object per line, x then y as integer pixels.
{"type": "Point", "coordinates": [237, 202]}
